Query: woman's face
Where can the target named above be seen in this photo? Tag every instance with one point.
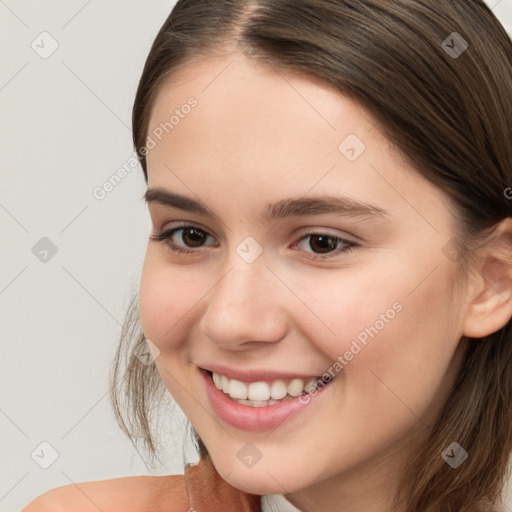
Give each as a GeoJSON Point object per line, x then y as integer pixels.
{"type": "Point", "coordinates": [312, 249]}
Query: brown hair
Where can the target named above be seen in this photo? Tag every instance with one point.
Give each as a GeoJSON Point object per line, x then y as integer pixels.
{"type": "Point", "coordinates": [451, 117]}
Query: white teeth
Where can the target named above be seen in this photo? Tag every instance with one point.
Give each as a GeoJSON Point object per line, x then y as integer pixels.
{"type": "Point", "coordinates": [278, 389]}
{"type": "Point", "coordinates": [258, 391]}
{"type": "Point", "coordinates": [261, 394]}
{"type": "Point", "coordinates": [295, 387]}
{"type": "Point", "coordinates": [237, 389]}
{"type": "Point", "coordinates": [217, 380]}
{"type": "Point", "coordinates": [224, 382]}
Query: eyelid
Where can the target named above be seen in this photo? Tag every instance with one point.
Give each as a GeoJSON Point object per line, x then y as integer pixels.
{"type": "Point", "coordinates": [168, 226]}
{"type": "Point", "coordinates": [336, 233]}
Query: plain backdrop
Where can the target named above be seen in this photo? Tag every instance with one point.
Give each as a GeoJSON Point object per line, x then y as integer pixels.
{"type": "Point", "coordinates": [71, 261]}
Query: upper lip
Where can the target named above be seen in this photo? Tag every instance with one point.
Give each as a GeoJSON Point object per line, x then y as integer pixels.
{"type": "Point", "coordinates": [254, 375]}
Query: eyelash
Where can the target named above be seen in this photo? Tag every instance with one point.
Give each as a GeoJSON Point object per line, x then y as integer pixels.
{"type": "Point", "coordinates": [166, 236]}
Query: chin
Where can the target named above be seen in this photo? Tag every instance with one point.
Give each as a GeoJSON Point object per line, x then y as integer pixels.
{"type": "Point", "coordinates": [262, 480]}
{"type": "Point", "coordinates": [257, 483]}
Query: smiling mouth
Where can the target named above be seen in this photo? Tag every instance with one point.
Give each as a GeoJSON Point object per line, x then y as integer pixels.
{"type": "Point", "coordinates": [265, 393]}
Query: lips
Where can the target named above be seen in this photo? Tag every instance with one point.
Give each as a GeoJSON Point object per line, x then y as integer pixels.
{"type": "Point", "coordinates": [260, 415]}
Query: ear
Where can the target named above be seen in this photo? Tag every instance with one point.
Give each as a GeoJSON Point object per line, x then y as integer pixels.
{"type": "Point", "coordinates": [491, 300]}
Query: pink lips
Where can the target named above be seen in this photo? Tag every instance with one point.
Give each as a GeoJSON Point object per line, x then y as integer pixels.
{"type": "Point", "coordinates": [255, 419]}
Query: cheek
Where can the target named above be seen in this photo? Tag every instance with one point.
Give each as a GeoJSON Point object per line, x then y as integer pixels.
{"type": "Point", "coordinates": [346, 308]}
{"type": "Point", "coordinates": [167, 299]}
{"type": "Point", "coordinates": [389, 339]}
{"type": "Point", "coordinates": [407, 368]}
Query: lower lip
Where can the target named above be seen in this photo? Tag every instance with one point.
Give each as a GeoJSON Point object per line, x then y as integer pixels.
{"type": "Point", "coordinates": [254, 419]}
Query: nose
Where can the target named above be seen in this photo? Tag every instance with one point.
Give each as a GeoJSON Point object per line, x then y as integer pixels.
{"type": "Point", "coordinates": [245, 308]}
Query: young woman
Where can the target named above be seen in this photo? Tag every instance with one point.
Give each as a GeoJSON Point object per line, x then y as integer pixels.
{"type": "Point", "coordinates": [327, 287]}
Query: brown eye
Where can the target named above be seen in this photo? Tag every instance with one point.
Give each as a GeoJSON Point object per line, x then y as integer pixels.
{"type": "Point", "coordinates": [193, 237]}
{"type": "Point", "coordinates": [322, 243]}
{"type": "Point", "coordinates": [184, 239]}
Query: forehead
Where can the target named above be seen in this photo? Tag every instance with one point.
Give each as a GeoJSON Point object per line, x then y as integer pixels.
{"type": "Point", "coordinates": [234, 88]}
{"type": "Point", "coordinates": [259, 106]}
{"type": "Point", "coordinates": [271, 129]}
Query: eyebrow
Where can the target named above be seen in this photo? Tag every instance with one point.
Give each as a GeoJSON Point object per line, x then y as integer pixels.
{"type": "Point", "coordinates": [165, 198]}
{"type": "Point", "coordinates": [344, 206]}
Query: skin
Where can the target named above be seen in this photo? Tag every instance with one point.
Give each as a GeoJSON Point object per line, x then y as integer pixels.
{"type": "Point", "coordinates": [260, 135]}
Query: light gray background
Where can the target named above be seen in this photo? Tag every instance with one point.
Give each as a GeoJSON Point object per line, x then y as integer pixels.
{"type": "Point", "coordinates": [66, 130]}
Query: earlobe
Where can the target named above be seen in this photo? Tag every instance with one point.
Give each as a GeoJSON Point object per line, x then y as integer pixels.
{"type": "Point", "coordinates": [491, 307]}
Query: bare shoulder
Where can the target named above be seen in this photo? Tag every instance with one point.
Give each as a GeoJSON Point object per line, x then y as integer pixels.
{"type": "Point", "coordinates": [134, 493]}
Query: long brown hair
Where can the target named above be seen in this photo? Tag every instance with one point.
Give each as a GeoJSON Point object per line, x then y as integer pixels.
{"type": "Point", "coordinates": [449, 113]}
